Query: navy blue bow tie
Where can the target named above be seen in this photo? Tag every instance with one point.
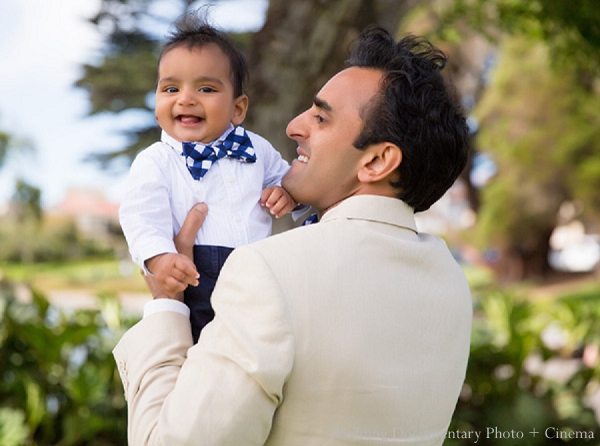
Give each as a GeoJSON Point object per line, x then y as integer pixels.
{"type": "Point", "coordinates": [237, 145]}
{"type": "Point", "coordinates": [314, 218]}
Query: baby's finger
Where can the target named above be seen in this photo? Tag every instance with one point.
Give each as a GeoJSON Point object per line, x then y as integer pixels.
{"type": "Point", "coordinates": [266, 193]}
{"type": "Point", "coordinates": [274, 199]}
{"type": "Point", "coordinates": [278, 207]}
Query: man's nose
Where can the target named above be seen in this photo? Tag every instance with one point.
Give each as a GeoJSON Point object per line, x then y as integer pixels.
{"type": "Point", "coordinates": [296, 129]}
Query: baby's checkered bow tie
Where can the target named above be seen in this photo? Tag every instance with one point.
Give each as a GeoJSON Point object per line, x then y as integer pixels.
{"type": "Point", "coordinates": [237, 145]}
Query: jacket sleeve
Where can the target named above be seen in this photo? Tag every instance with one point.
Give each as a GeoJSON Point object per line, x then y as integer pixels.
{"type": "Point", "coordinates": [225, 389]}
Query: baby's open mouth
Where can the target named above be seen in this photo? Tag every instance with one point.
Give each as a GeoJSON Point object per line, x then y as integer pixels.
{"type": "Point", "coordinates": [189, 119]}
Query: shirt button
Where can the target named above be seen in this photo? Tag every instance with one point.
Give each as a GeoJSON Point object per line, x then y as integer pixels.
{"type": "Point", "coordinates": [231, 179]}
{"type": "Point", "coordinates": [238, 218]}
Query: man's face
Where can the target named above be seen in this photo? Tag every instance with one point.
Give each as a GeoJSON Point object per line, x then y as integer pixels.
{"type": "Point", "coordinates": [325, 171]}
{"type": "Point", "coordinates": [194, 95]}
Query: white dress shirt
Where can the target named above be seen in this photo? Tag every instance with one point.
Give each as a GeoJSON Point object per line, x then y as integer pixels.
{"type": "Point", "coordinates": [160, 192]}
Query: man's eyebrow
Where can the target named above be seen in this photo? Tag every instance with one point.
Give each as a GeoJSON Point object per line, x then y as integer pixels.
{"type": "Point", "coordinates": [322, 104]}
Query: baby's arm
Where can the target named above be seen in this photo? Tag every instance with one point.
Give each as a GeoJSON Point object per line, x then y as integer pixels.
{"type": "Point", "coordinates": [173, 272]}
{"type": "Point", "coordinates": [277, 200]}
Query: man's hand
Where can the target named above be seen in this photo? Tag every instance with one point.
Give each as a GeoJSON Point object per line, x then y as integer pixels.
{"type": "Point", "coordinates": [172, 273]}
{"type": "Point", "coordinates": [277, 200]}
{"type": "Point", "coordinates": [186, 237]}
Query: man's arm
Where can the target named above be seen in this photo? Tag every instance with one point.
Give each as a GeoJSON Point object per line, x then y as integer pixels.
{"type": "Point", "coordinates": [171, 283]}
{"type": "Point", "coordinates": [225, 389]}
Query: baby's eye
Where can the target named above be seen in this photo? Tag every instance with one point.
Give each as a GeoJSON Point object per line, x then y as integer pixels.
{"type": "Point", "coordinates": [171, 90]}
{"type": "Point", "coordinates": [207, 90]}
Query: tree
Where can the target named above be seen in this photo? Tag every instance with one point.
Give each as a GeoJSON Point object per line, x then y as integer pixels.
{"type": "Point", "coordinates": [11, 145]}
{"type": "Point", "coordinates": [4, 146]}
{"type": "Point", "coordinates": [302, 44]}
{"type": "Point", "coordinates": [543, 129]}
{"type": "Point", "coordinates": [126, 74]}
{"type": "Point", "coordinates": [536, 121]}
{"type": "Point", "coordinates": [571, 30]}
{"type": "Point", "coordinates": [27, 202]}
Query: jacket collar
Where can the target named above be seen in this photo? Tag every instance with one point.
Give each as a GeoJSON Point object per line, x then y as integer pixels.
{"type": "Point", "coordinates": [376, 208]}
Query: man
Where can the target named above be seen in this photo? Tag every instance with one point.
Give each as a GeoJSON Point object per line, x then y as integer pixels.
{"type": "Point", "coordinates": [354, 330]}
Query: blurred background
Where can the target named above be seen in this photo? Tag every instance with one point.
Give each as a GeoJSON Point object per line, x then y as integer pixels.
{"type": "Point", "coordinates": [77, 93]}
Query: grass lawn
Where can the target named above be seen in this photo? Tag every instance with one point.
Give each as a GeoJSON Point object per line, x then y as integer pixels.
{"type": "Point", "coordinates": [114, 276]}
{"type": "Point", "coordinates": [90, 275]}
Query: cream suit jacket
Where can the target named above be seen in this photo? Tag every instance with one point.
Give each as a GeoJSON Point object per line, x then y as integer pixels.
{"type": "Point", "coordinates": [351, 331]}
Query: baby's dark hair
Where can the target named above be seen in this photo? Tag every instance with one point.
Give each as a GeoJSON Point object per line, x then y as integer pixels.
{"type": "Point", "coordinates": [192, 30]}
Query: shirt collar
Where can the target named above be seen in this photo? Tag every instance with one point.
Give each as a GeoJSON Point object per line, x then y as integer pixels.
{"type": "Point", "coordinates": [392, 211]}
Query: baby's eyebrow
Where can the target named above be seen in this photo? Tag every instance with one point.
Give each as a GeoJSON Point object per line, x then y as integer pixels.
{"type": "Point", "coordinates": [209, 79]}
{"type": "Point", "coordinates": [162, 80]}
{"type": "Point", "coordinates": [200, 79]}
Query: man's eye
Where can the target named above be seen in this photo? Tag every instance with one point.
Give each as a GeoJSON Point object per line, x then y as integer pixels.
{"type": "Point", "coordinates": [319, 119]}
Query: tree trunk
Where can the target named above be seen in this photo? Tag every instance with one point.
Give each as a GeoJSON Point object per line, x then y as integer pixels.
{"type": "Point", "coordinates": [288, 70]}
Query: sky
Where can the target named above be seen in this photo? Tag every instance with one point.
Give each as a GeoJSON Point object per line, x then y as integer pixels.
{"type": "Point", "coordinates": [43, 46]}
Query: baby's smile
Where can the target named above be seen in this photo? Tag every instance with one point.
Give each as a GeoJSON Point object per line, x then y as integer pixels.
{"type": "Point", "coordinates": [189, 119]}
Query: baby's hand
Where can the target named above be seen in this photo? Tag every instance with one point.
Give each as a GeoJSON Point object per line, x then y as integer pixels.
{"type": "Point", "coordinates": [277, 200]}
{"type": "Point", "coordinates": [173, 272]}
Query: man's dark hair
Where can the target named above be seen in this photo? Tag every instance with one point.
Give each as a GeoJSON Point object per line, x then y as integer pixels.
{"type": "Point", "coordinates": [192, 30]}
{"type": "Point", "coordinates": [415, 110]}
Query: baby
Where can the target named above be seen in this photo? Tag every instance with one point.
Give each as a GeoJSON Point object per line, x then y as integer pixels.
{"type": "Point", "coordinates": [204, 155]}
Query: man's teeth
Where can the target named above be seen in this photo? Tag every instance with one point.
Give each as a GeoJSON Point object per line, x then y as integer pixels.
{"type": "Point", "coordinates": [303, 158]}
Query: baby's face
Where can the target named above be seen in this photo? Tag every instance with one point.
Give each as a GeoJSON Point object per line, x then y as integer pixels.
{"type": "Point", "coordinates": [194, 95]}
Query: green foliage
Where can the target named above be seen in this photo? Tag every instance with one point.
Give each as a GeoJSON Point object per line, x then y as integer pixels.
{"type": "Point", "coordinates": [10, 145]}
{"type": "Point", "coordinates": [4, 145]}
{"type": "Point", "coordinates": [100, 275]}
{"type": "Point", "coordinates": [123, 80]}
{"type": "Point", "coordinates": [570, 29]}
{"type": "Point", "coordinates": [13, 431]}
{"type": "Point", "coordinates": [27, 201]}
{"type": "Point", "coordinates": [59, 381]}
{"type": "Point", "coordinates": [60, 385]}
{"type": "Point", "coordinates": [542, 128]}
{"type": "Point", "coordinates": [507, 384]}
{"type": "Point", "coordinates": [29, 241]}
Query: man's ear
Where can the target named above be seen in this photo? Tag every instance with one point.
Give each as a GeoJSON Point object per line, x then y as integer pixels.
{"type": "Point", "coordinates": [380, 162]}
{"type": "Point", "coordinates": [240, 107]}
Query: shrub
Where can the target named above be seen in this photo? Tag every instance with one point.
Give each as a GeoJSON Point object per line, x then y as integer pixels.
{"type": "Point", "coordinates": [59, 380]}
{"type": "Point", "coordinates": [508, 387]}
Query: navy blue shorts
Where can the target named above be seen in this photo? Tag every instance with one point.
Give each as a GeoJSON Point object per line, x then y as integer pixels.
{"type": "Point", "coordinates": [209, 260]}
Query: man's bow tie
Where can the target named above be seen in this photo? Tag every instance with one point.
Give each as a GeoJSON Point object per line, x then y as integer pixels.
{"type": "Point", "coordinates": [312, 219]}
{"type": "Point", "coordinates": [237, 145]}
